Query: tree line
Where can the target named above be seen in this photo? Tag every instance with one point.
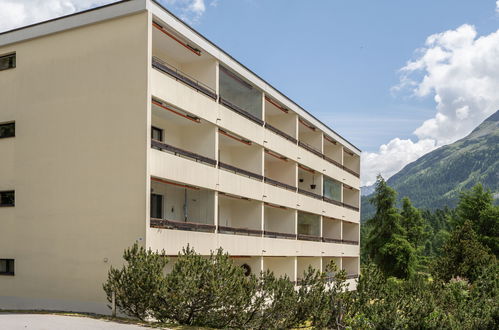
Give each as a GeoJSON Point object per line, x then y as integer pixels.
{"type": "Point", "coordinates": [420, 269]}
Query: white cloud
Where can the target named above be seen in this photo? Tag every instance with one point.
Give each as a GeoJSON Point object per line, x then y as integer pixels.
{"type": "Point", "coordinates": [497, 6]}
{"type": "Point", "coordinates": [461, 71]}
{"type": "Point", "coordinates": [188, 10]}
{"type": "Point", "coordinates": [17, 13]}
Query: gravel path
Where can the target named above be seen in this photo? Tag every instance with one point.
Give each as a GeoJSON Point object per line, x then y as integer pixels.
{"type": "Point", "coordinates": [59, 322]}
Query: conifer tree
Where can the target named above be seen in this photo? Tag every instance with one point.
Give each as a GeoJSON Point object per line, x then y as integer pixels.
{"type": "Point", "coordinates": [413, 223]}
{"type": "Point", "coordinates": [386, 245]}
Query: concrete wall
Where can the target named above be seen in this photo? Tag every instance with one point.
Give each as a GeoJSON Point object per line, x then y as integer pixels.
{"type": "Point", "coordinates": [77, 163]}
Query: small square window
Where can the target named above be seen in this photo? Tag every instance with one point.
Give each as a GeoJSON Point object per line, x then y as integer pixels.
{"type": "Point", "coordinates": [6, 266]}
{"type": "Point", "coordinates": [7, 198]}
{"type": "Point", "coordinates": [7, 130]}
{"type": "Point", "coordinates": [7, 61]}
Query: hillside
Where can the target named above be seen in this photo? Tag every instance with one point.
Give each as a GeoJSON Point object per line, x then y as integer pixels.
{"type": "Point", "coordinates": [434, 180]}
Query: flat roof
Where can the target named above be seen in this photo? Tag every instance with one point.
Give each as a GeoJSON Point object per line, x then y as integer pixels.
{"type": "Point", "coordinates": [127, 7]}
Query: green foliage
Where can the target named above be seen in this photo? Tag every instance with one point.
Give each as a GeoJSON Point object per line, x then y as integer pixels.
{"type": "Point", "coordinates": [136, 284]}
{"type": "Point", "coordinates": [413, 223]}
{"type": "Point", "coordinates": [462, 255]}
{"type": "Point", "coordinates": [386, 244]}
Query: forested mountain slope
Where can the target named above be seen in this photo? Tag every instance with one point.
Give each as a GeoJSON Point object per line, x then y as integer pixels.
{"type": "Point", "coordinates": [434, 180]}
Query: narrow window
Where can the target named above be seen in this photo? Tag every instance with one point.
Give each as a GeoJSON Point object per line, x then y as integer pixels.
{"type": "Point", "coordinates": [157, 134]}
{"type": "Point", "coordinates": [7, 198]}
{"type": "Point", "coordinates": [7, 61]}
{"type": "Point", "coordinates": [6, 266]}
{"type": "Point", "coordinates": [156, 206]}
{"type": "Point", "coordinates": [7, 130]}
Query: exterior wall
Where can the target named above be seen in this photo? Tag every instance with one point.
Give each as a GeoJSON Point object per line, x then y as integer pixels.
{"type": "Point", "coordinates": [77, 163]}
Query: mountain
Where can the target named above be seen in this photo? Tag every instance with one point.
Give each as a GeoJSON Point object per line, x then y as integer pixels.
{"type": "Point", "coordinates": [367, 190]}
{"type": "Point", "coordinates": [435, 180]}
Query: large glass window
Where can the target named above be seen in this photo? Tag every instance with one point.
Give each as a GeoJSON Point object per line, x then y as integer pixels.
{"type": "Point", "coordinates": [7, 62]}
{"type": "Point", "coordinates": [156, 206]}
{"type": "Point", "coordinates": [7, 130]}
{"type": "Point", "coordinates": [240, 93]}
{"type": "Point", "coordinates": [332, 189]}
{"type": "Point", "coordinates": [7, 198]}
{"type": "Point", "coordinates": [6, 266]}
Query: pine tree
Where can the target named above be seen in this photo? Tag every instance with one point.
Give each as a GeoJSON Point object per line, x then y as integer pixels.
{"type": "Point", "coordinates": [386, 244]}
{"type": "Point", "coordinates": [413, 223]}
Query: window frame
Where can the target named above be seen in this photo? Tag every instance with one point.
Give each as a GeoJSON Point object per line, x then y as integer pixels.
{"type": "Point", "coordinates": [10, 271]}
{"type": "Point", "coordinates": [12, 63]}
{"type": "Point", "coordinates": [7, 124]}
{"type": "Point", "coordinates": [14, 198]}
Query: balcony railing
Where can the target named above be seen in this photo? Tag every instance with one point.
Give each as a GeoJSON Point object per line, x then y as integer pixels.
{"type": "Point", "coordinates": [332, 161]}
{"type": "Point", "coordinates": [304, 237]}
{"type": "Point", "coordinates": [351, 171]}
{"type": "Point", "coordinates": [350, 276]}
{"type": "Point", "coordinates": [308, 193]}
{"type": "Point", "coordinates": [273, 234]}
{"type": "Point", "coordinates": [351, 242]}
{"type": "Point", "coordinates": [239, 231]}
{"type": "Point", "coordinates": [177, 151]}
{"type": "Point", "coordinates": [178, 75]}
{"type": "Point", "coordinates": [240, 171]}
{"type": "Point", "coordinates": [331, 201]}
{"type": "Point", "coordinates": [310, 148]}
{"type": "Point", "coordinates": [351, 207]}
{"type": "Point", "coordinates": [279, 184]}
{"type": "Point", "coordinates": [180, 225]}
{"type": "Point", "coordinates": [240, 111]}
{"type": "Point", "coordinates": [281, 133]}
{"type": "Point", "coordinates": [331, 240]}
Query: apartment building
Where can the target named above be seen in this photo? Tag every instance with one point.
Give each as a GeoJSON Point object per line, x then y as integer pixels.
{"type": "Point", "coordinates": [122, 124]}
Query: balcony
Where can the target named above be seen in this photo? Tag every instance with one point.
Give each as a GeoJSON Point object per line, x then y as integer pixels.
{"type": "Point", "coordinates": [280, 222]}
{"type": "Point", "coordinates": [351, 162]}
{"type": "Point", "coordinates": [332, 191]}
{"type": "Point", "coordinates": [279, 120]}
{"type": "Point", "coordinates": [309, 137]}
{"type": "Point", "coordinates": [331, 230]}
{"type": "Point", "coordinates": [181, 207]}
{"type": "Point", "coordinates": [237, 94]}
{"type": "Point", "coordinates": [303, 263]}
{"type": "Point", "coordinates": [239, 216]}
{"type": "Point", "coordinates": [280, 266]}
{"type": "Point", "coordinates": [351, 233]}
{"type": "Point", "coordinates": [183, 60]}
{"type": "Point", "coordinates": [280, 171]}
{"type": "Point", "coordinates": [333, 151]}
{"type": "Point", "coordinates": [309, 227]}
{"type": "Point", "coordinates": [351, 198]}
{"type": "Point", "coordinates": [240, 156]}
{"type": "Point", "coordinates": [351, 266]}
{"type": "Point", "coordinates": [309, 182]}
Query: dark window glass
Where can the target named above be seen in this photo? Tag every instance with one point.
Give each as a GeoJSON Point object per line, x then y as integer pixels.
{"type": "Point", "coordinates": [332, 189]}
{"type": "Point", "coordinates": [7, 62]}
{"type": "Point", "coordinates": [156, 206]}
{"type": "Point", "coordinates": [7, 130]}
{"type": "Point", "coordinates": [7, 198]}
{"type": "Point", "coordinates": [157, 134]}
{"type": "Point", "coordinates": [6, 266]}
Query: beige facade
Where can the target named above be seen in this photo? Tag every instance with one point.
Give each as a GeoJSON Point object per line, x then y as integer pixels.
{"type": "Point", "coordinates": [131, 127]}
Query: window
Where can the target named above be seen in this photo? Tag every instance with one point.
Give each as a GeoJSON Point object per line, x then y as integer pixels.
{"type": "Point", "coordinates": [156, 206]}
{"type": "Point", "coordinates": [7, 198]}
{"type": "Point", "coordinates": [6, 266]}
{"type": "Point", "coordinates": [157, 134]}
{"type": "Point", "coordinates": [332, 189]}
{"type": "Point", "coordinates": [7, 130]}
{"type": "Point", "coordinates": [7, 61]}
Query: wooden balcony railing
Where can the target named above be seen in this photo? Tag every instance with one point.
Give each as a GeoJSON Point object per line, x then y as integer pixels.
{"type": "Point", "coordinates": [308, 193]}
{"type": "Point", "coordinates": [240, 171]}
{"type": "Point", "coordinates": [180, 76]}
{"type": "Point", "coordinates": [239, 231]}
{"type": "Point", "coordinates": [304, 237]}
{"type": "Point", "coordinates": [279, 184]}
{"type": "Point", "coordinates": [180, 152]}
{"type": "Point", "coordinates": [355, 208]}
{"type": "Point", "coordinates": [331, 201]}
{"type": "Point", "coordinates": [273, 234]}
{"type": "Point", "coordinates": [240, 111]}
{"type": "Point", "coordinates": [281, 133]}
{"type": "Point", "coordinates": [310, 148]}
{"type": "Point", "coordinates": [180, 225]}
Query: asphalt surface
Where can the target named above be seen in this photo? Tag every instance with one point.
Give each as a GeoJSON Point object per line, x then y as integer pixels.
{"type": "Point", "coordinates": [59, 322]}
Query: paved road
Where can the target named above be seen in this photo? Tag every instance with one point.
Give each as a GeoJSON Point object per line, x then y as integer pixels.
{"type": "Point", "coordinates": [59, 322]}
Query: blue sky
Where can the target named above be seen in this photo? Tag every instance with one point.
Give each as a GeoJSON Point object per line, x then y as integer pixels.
{"type": "Point", "coordinates": [396, 78]}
